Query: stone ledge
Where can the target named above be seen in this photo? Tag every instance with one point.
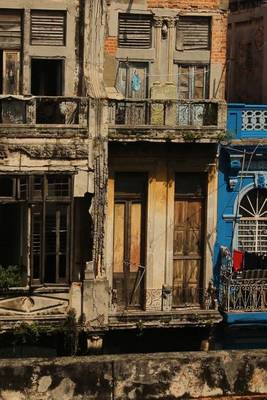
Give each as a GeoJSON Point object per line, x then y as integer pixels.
{"type": "Point", "coordinates": [165, 376]}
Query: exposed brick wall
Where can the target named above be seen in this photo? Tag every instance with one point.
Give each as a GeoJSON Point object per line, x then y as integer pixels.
{"type": "Point", "coordinates": [219, 37]}
{"type": "Point", "coordinates": [111, 45]}
{"type": "Point", "coordinates": [184, 4]}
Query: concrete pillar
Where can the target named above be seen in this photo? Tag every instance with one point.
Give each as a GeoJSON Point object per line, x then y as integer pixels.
{"type": "Point", "coordinates": [156, 237]}
{"type": "Point", "coordinates": [95, 300]}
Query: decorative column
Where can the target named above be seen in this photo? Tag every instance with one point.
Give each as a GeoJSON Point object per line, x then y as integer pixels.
{"type": "Point", "coordinates": [158, 26]}
{"type": "Point", "coordinates": [171, 22]}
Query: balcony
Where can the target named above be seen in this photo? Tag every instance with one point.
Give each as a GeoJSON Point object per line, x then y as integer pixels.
{"type": "Point", "coordinates": [243, 294]}
{"type": "Point", "coordinates": [167, 119]}
{"type": "Point", "coordinates": [22, 114]}
{"type": "Point", "coordinates": [247, 121]}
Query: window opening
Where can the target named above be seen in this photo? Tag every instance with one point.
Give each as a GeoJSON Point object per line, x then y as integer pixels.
{"type": "Point", "coordinates": [7, 188]}
{"type": "Point", "coordinates": [26, 209]}
{"type": "Point", "coordinates": [46, 77]}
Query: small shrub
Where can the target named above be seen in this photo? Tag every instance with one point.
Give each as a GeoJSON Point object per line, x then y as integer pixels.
{"type": "Point", "coordinates": [10, 276]}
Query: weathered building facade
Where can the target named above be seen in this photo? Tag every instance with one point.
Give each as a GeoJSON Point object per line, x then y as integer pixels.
{"type": "Point", "coordinates": [50, 148]}
{"type": "Point", "coordinates": [111, 117]}
{"type": "Point", "coordinates": [247, 52]}
{"type": "Point", "coordinates": [164, 72]}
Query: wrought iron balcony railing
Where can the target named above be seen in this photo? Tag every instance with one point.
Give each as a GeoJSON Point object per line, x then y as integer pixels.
{"type": "Point", "coordinates": [63, 111]}
{"type": "Point", "coordinates": [172, 113]}
{"type": "Point", "coordinates": [242, 291]}
{"type": "Point", "coordinates": [244, 295]}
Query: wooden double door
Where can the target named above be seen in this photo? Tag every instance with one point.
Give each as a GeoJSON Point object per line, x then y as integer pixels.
{"type": "Point", "coordinates": [129, 239]}
{"type": "Point", "coordinates": [188, 244]}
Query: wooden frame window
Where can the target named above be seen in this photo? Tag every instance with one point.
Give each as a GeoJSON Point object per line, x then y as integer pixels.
{"type": "Point", "coordinates": [193, 81]}
{"type": "Point", "coordinates": [40, 225]}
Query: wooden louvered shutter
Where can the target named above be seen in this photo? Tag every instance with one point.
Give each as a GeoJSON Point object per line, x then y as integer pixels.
{"type": "Point", "coordinates": [48, 28]}
{"type": "Point", "coordinates": [10, 29]}
{"type": "Point", "coordinates": [135, 31]}
{"type": "Point", "coordinates": [193, 33]}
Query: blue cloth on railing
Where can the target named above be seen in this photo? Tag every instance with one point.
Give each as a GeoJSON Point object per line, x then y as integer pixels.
{"type": "Point", "coordinates": [136, 82]}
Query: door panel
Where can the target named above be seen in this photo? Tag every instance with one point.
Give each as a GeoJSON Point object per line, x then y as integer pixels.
{"type": "Point", "coordinates": [129, 240]}
{"type": "Point", "coordinates": [11, 70]}
{"type": "Point", "coordinates": [187, 248]}
{"type": "Point", "coordinates": [118, 267]}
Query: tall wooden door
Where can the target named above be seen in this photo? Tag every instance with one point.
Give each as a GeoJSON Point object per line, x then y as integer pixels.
{"type": "Point", "coordinates": [129, 239]}
{"type": "Point", "coordinates": [189, 210]}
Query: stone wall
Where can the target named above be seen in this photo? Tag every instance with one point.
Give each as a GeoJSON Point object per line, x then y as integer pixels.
{"type": "Point", "coordinates": [137, 377]}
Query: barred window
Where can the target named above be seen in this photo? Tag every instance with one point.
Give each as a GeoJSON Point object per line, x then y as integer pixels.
{"type": "Point", "coordinates": [135, 31]}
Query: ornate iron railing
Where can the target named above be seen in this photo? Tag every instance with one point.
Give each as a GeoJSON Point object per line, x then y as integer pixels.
{"type": "Point", "coordinates": [242, 291]}
{"type": "Point", "coordinates": [244, 295]}
{"type": "Point", "coordinates": [192, 113]}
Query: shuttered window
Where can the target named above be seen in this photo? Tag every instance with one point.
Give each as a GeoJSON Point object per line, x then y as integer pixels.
{"type": "Point", "coordinates": [10, 29]}
{"type": "Point", "coordinates": [135, 31]}
{"type": "Point", "coordinates": [193, 33]}
{"type": "Point", "coordinates": [48, 28]}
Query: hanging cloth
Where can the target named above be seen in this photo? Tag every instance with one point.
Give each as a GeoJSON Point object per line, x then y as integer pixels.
{"type": "Point", "coordinates": [136, 82]}
{"type": "Point", "coordinates": [238, 259]}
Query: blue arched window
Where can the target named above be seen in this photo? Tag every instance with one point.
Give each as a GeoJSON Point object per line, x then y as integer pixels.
{"type": "Point", "coordinates": [252, 226]}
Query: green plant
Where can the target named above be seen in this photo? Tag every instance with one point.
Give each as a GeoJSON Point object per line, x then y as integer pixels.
{"type": "Point", "coordinates": [10, 276]}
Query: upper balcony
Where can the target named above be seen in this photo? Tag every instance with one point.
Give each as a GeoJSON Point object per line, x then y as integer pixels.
{"type": "Point", "coordinates": [39, 115]}
{"type": "Point", "coordinates": [158, 120]}
{"type": "Point", "coordinates": [247, 121]}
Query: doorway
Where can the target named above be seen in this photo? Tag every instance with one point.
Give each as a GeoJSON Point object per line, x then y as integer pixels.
{"type": "Point", "coordinates": [188, 240]}
{"type": "Point", "coordinates": [129, 239]}
{"type": "Point", "coordinates": [46, 77]}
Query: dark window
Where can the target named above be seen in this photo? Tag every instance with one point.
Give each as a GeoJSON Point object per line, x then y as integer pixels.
{"type": "Point", "coordinates": [193, 33]}
{"type": "Point", "coordinates": [46, 77]}
{"type": "Point", "coordinates": [48, 28]}
{"type": "Point", "coordinates": [7, 187]}
{"type": "Point", "coordinates": [135, 31]}
{"type": "Point", "coordinates": [48, 200]}
{"type": "Point", "coordinates": [193, 81]}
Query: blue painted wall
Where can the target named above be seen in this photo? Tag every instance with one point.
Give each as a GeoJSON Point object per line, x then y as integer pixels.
{"type": "Point", "coordinates": [228, 196]}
